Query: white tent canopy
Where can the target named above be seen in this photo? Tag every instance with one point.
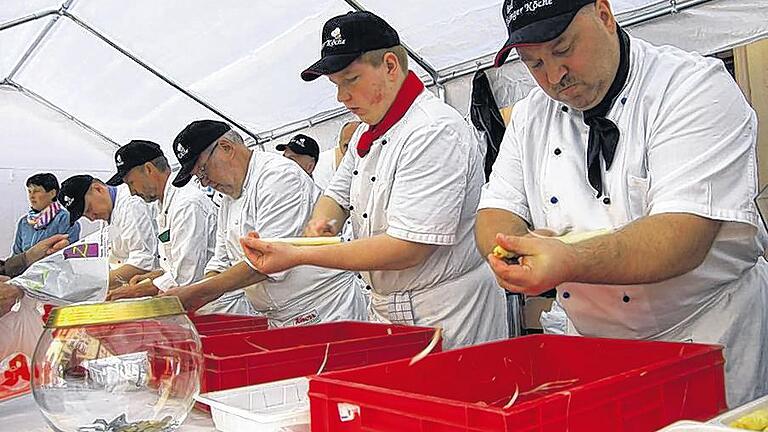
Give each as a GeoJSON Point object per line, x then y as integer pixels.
{"type": "Point", "coordinates": [79, 77]}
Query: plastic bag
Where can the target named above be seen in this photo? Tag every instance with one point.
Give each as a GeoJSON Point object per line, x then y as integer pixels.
{"type": "Point", "coordinates": [77, 273]}
{"type": "Point", "coordinates": [21, 330]}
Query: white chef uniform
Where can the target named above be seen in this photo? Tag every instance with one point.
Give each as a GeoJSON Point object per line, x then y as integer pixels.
{"type": "Point", "coordinates": [421, 182]}
{"type": "Point", "coordinates": [277, 200]}
{"type": "Point", "coordinates": [132, 232]}
{"type": "Point", "coordinates": [687, 145]}
{"type": "Point", "coordinates": [186, 226]}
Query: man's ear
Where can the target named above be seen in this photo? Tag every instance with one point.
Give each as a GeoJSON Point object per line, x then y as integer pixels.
{"type": "Point", "coordinates": [392, 64]}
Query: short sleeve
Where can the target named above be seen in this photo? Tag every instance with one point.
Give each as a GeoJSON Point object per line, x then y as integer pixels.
{"type": "Point", "coordinates": [701, 151]}
{"type": "Point", "coordinates": [430, 185]}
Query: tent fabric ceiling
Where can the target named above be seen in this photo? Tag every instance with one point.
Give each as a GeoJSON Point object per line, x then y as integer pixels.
{"type": "Point", "coordinates": [242, 57]}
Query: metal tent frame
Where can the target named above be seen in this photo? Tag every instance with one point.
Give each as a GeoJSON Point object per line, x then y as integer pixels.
{"type": "Point", "coordinates": [435, 79]}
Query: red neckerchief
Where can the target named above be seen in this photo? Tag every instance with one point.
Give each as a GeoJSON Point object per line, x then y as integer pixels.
{"type": "Point", "coordinates": [411, 89]}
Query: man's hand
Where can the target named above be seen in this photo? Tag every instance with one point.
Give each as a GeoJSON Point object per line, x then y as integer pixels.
{"type": "Point", "coordinates": [139, 278]}
{"type": "Point", "coordinates": [321, 227]}
{"type": "Point", "coordinates": [268, 257]}
{"type": "Point", "coordinates": [46, 247]}
{"type": "Point", "coordinates": [543, 264]}
{"type": "Point", "coordinates": [145, 289]}
{"type": "Point", "coordinates": [9, 294]}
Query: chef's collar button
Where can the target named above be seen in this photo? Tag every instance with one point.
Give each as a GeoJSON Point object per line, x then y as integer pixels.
{"type": "Point", "coordinates": [564, 108]}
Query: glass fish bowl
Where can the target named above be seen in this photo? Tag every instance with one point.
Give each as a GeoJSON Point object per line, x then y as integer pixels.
{"type": "Point", "coordinates": [125, 366]}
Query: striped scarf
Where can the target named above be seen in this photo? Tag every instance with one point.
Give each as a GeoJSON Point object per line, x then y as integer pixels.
{"type": "Point", "coordinates": [40, 220]}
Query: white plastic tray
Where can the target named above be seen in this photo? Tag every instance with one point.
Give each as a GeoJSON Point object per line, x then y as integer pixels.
{"type": "Point", "coordinates": [736, 413]}
{"type": "Point", "coordinates": [692, 426]}
{"type": "Point", "coordinates": [277, 406]}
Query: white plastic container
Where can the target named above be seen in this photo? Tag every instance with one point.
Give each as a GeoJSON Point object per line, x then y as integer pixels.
{"type": "Point", "coordinates": [279, 406]}
{"type": "Point", "coordinates": [692, 426]}
{"type": "Point", "coordinates": [737, 413]}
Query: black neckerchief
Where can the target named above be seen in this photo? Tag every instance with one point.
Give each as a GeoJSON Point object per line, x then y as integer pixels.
{"type": "Point", "coordinates": [603, 133]}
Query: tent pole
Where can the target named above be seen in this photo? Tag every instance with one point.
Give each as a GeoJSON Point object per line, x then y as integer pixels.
{"type": "Point", "coordinates": [38, 39]}
{"type": "Point", "coordinates": [26, 19]}
{"type": "Point", "coordinates": [156, 73]}
{"type": "Point", "coordinates": [45, 102]}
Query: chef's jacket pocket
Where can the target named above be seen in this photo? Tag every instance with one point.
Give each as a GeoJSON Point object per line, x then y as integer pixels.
{"type": "Point", "coordinates": [637, 196]}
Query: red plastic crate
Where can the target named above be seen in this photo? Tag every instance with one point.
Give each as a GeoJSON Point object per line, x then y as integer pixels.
{"type": "Point", "coordinates": [621, 386]}
{"type": "Point", "coordinates": [218, 324]}
{"type": "Point", "coordinates": [243, 359]}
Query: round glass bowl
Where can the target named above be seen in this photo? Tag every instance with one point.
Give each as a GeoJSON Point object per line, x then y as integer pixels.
{"type": "Point", "coordinates": [117, 366]}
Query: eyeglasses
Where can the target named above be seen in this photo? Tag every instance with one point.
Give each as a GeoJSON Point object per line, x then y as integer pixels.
{"type": "Point", "coordinates": [202, 174]}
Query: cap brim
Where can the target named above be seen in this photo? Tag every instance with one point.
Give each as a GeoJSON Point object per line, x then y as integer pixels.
{"type": "Point", "coordinates": [329, 65]}
{"type": "Point", "coordinates": [184, 175]}
{"type": "Point", "coordinates": [281, 147]}
{"type": "Point", "coordinates": [535, 33]}
{"type": "Point", "coordinates": [116, 180]}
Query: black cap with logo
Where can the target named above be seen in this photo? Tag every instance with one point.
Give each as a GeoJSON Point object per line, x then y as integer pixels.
{"type": "Point", "coordinates": [72, 195]}
{"type": "Point", "coordinates": [347, 37]}
{"type": "Point", "coordinates": [303, 145]}
{"type": "Point", "coordinates": [191, 142]}
{"type": "Point", "coordinates": [131, 155]}
{"type": "Point", "coordinates": [536, 21]}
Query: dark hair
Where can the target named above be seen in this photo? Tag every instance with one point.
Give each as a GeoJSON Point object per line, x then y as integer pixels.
{"type": "Point", "coordinates": [47, 181]}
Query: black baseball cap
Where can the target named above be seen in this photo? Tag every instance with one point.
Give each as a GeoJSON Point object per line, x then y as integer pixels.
{"type": "Point", "coordinates": [536, 21]}
{"type": "Point", "coordinates": [191, 142]}
{"type": "Point", "coordinates": [131, 155]}
{"type": "Point", "coordinates": [346, 37]}
{"type": "Point", "coordinates": [302, 144]}
{"type": "Point", "coordinates": [72, 195]}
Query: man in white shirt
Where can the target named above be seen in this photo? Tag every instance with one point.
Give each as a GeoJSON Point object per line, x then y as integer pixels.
{"type": "Point", "coordinates": [329, 160]}
{"type": "Point", "coordinates": [186, 222]}
{"type": "Point", "coordinates": [271, 194]}
{"type": "Point", "coordinates": [410, 183]}
{"type": "Point", "coordinates": [670, 171]}
{"type": "Point", "coordinates": [132, 231]}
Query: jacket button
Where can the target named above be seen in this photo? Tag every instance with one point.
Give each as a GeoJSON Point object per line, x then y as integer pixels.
{"type": "Point", "coordinates": [564, 108]}
{"type": "Point", "coordinates": [566, 294]}
{"type": "Point", "coordinates": [365, 215]}
{"type": "Point", "coordinates": [373, 179]}
{"type": "Point", "coordinates": [606, 201]}
{"type": "Point", "coordinates": [351, 208]}
{"type": "Point", "coordinates": [626, 298]}
{"type": "Point", "coordinates": [354, 172]}
{"type": "Point", "coordinates": [384, 142]}
{"type": "Point", "coordinates": [553, 200]}
{"type": "Point", "coordinates": [557, 152]}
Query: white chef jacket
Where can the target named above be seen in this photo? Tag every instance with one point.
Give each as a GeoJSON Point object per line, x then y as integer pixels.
{"type": "Point", "coordinates": [277, 200]}
{"type": "Point", "coordinates": [325, 168]}
{"type": "Point", "coordinates": [421, 182]}
{"type": "Point", "coordinates": [132, 232]}
{"type": "Point", "coordinates": [687, 145]}
{"type": "Point", "coordinates": [189, 217]}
